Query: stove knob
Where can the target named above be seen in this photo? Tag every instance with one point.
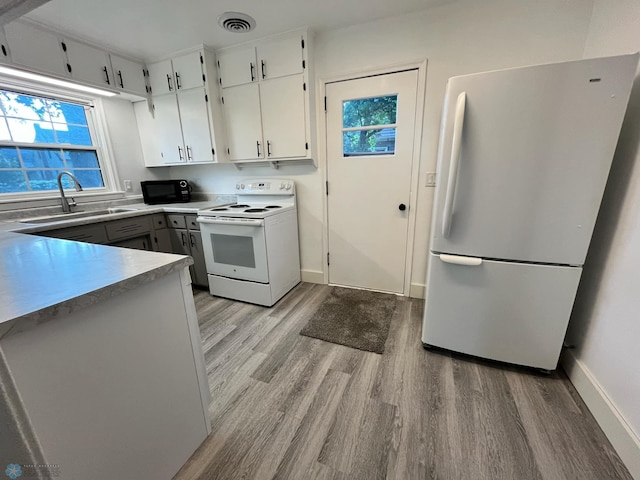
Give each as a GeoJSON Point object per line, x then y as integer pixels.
{"type": "Point", "coordinates": [242, 186]}
{"type": "Point", "coordinates": [237, 186]}
{"type": "Point", "coordinates": [282, 186]}
{"type": "Point", "coordinates": [288, 187]}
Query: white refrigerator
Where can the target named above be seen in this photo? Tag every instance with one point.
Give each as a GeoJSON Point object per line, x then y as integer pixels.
{"type": "Point", "coordinates": [523, 160]}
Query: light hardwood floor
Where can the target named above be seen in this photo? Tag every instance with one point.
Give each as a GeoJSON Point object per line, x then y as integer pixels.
{"type": "Point", "coordinates": [292, 407]}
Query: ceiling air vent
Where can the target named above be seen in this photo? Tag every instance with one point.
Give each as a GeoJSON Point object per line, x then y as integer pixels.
{"type": "Point", "coordinates": [236, 22]}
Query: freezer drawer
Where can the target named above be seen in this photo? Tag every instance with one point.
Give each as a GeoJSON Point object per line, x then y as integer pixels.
{"type": "Point", "coordinates": [511, 312]}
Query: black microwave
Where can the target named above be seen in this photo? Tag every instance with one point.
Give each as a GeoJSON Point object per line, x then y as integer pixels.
{"type": "Point", "coordinates": [165, 191]}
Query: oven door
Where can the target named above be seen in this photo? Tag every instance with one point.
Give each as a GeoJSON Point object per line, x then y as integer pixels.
{"type": "Point", "coordinates": [235, 248]}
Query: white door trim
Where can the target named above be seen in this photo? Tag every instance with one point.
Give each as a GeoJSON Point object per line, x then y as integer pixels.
{"type": "Point", "coordinates": [421, 66]}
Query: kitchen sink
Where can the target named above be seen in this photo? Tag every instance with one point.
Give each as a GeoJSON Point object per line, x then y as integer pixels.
{"type": "Point", "coordinates": [61, 217]}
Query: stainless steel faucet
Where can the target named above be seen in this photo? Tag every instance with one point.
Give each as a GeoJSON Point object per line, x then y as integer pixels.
{"type": "Point", "coordinates": [66, 206]}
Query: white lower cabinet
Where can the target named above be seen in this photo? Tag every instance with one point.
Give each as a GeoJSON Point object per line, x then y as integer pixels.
{"type": "Point", "coordinates": [186, 239]}
{"type": "Point", "coordinates": [267, 120]}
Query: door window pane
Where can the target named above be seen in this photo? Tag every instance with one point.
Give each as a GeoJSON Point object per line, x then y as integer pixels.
{"type": "Point", "coordinates": [369, 142]}
{"type": "Point", "coordinates": [358, 118]}
{"type": "Point", "coordinates": [367, 112]}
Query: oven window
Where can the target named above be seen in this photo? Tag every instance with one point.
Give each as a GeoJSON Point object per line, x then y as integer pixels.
{"type": "Point", "coordinates": [233, 250]}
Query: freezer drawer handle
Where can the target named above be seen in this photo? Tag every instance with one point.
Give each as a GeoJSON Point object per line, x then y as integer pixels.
{"type": "Point", "coordinates": [456, 260]}
{"type": "Point", "coordinates": [456, 142]}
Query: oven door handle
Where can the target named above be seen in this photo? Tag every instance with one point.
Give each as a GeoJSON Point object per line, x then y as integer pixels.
{"type": "Point", "coordinates": [231, 221]}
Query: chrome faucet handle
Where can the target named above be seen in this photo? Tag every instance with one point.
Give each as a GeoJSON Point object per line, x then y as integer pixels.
{"type": "Point", "coordinates": [72, 203]}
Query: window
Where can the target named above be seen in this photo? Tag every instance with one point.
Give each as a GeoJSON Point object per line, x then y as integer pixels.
{"type": "Point", "coordinates": [369, 126]}
{"type": "Point", "coordinates": [41, 137]}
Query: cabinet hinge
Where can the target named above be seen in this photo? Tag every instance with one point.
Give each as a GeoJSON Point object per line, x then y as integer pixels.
{"type": "Point", "coordinates": [306, 146]}
{"type": "Point", "coordinates": [222, 100]}
{"type": "Point", "coordinates": [150, 89]}
{"type": "Point", "coordinates": [146, 88]}
{"type": "Point", "coordinates": [64, 46]}
{"type": "Point", "coordinates": [213, 151]}
{"type": "Point", "coordinates": [304, 64]}
{"type": "Point", "coordinates": [204, 78]}
{"type": "Point", "coordinates": [201, 59]}
{"type": "Point", "coordinates": [326, 184]}
{"type": "Point", "coordinates": [302, 42]}
{"type": "Point", "coordinates": [218, 62]}
{"type": "Point", "coordinates": [228, 152]}
{"type": "Point", "coordinates": [325, 103]}
{"type": "Point", "coordinates": [304, 87]}
{"type": "Point", "coordinates": [328, 258]}
{"type": "Point", "coordinates": [220, 80]}
{"type": "Point", "coordinates": [68, 68]}
{"type": "Point", "coordinates": [206, 97]}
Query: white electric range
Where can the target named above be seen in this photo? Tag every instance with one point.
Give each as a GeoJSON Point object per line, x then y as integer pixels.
{"type": "Point", "coordinates": [251, 248]}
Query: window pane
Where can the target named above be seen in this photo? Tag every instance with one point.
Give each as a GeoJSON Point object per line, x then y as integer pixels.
{"type": "Point", "coordinates": [9, 158]}
{"type": "Point", "coordinates": [369, 111]}
{"type": "Point", "coordinates": [369, 142]}
{"type": "Point", "coordinates": [71, 134]}
{"type": "Point", "coordinates": [46, 180]}
{"type": "Point", "coordinates": [89, 178]}
{"type": "Point", "coordinates": [81, 159]}
{"type": "Point", "coordinates": [12, 181]}
{"type": "Point", "coordinates": [29, 131]}
{"type": "Point", "coordinates": [67, 113]}
{"type": "Point", "coordinates": [4, 130]}
{"type": "Point", "coordinates": [24, 106]}
{"type": "Point", "coordinates": [41, 158]}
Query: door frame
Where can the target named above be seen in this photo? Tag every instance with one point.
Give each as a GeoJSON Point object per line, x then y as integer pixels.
{"type": "Point", "coordinates": [421, 67]}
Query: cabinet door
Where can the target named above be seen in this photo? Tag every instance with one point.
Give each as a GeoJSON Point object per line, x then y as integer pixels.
{"type": "Point", "coordinates": [195, 125]}
{"type": "Point", "coordinates": [244, 131]}
{"type": "Point", "coordinates": [280, 57]}
{"type": "Point", "coordinates": [147, 130]}
{"type": "Point", "coordinates": [187, 71]}
{"type": "Point", "coordinates": [237, 66]}
{"type": "Point", "coordinates": [4, 48]}
{"type": "Point", "coordinates": [199, 265]}
{"type": "Point", "coordinates": [179, 241]}
{"type": "Point", "coordinates": [283, 117]}
{"type": "Point", "coordinates": [167, 129]}
{"type": "Point", "coordinates": [128, 75]}
{"type": "Point", "coordinates": [87, 63]}
{"type": "Point", "coordinates": [35, 48]}
{"type": "Point", "coordinates": [139, 243]}
{"type": "Point", "coordinates": [162, 241]}
{"type": "Point", "coordinates": [161, 78]}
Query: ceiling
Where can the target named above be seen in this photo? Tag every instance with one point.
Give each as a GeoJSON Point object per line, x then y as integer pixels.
{"type": "Point", "coordinates": [150, 29]}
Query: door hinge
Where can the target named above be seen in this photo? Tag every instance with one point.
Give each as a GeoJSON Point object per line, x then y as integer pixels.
{"type": "Point", "coordinates": [328, 259]}
{"type": "Point", "coordinates": [304, 64]}
{"type": "Point", "coordinates": [304, 87]}
{"type": "Point", "coordinates": [326, 185]}
{"type": "Point", "coordinates": [325, 103]}
{"type": "Point", "coordinates": [302, 42]}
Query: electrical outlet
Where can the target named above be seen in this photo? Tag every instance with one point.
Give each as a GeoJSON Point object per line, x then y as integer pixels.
{"type": "Point", "coordinates": [431, 179]}
{"type": "Point", "coordinates": [127, 186]}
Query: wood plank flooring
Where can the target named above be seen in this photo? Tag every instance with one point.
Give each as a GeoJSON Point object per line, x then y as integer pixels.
{"type": "Point", "coordinates": [287, 406]}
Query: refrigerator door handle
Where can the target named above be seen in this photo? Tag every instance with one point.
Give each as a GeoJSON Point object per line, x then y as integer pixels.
{"type": "Point", "coordinates": [456, 142]}
{"type": "Point", "coordinates": [456, 260]}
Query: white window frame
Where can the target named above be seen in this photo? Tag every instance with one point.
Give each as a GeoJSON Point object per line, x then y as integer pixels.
{"type": "Point", "coordinates": [98, 130]}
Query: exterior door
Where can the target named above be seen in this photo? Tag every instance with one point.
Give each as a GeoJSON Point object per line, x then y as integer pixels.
{"type": "Point", "coordinates": [370, 138]}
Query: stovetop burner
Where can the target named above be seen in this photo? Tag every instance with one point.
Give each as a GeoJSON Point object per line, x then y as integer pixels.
{"type": "Point", "coordinates": [255, 210]}
{"type": "Point", "coordinates": [239, 206]}
{"type": "Point", "coordinates": [273, 206]}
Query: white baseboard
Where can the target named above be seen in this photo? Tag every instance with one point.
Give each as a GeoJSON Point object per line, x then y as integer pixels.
{"type": "Point", "coordinates": [417, 290]}
{"type": "Point", "coordinates": [615, 427]}
{"type": "Point", "coordinates": [312, 276]}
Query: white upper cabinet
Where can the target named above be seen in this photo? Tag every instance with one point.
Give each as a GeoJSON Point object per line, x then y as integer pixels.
{"type": "Point", "coordinates": [168, 134]}
{"type": "Point", "coordinates": [244, 129]}
{"type": "Point", "coordinates": [87, 63]}
{"type": "Point", "coordinates": [194, 118]}
{"type": "Point", "coordinates": [281, 56]}
{"type": "Point", "coordinates": [237, 66]}
{"type": "Point", "coordinates": [128, 75]}
{"type": "Point", "coordinates": [35, 48]}
{"type": "Point", "coordinates": [179, 73]}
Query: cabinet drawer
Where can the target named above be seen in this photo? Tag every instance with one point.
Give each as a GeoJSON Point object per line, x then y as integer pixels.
{"type": "Point", "coordinates": [176, 221]}
{"type": "Point", "coordinates": [192, 223]}
{"type": "Point", "coordinates": [89, 234]}
{"type": "Point", "coordinates": [159, 221]}
{"type": "Point", "coordinates": [131, 227]}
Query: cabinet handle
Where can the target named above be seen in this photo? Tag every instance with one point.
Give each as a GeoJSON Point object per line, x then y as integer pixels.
{"type": "Point", "coordinates": [268, 148]}
{"type": "Point", "coordinates": [106, 74]}
{"type": "Point", "coordinates": [189, 155]}
{"type": "Point", "coordinates": [120, 77]}
{"type": "Point", "coordinates": [169, 82]}
{"type": "Point", "coordinates": [262, 67]}
{"type": "Point", "coordinates": [180, 154]}
{"type": "Point", "coordinates": [184, 239]}
{"type": "Point", "coordinates": [258, 147]}
{"type": "Point", "coordinates": [178, 85]}
{"type": "Point", "coordinates": [253, 76]}
{"type": "Point", "coordinates": [193, 240]}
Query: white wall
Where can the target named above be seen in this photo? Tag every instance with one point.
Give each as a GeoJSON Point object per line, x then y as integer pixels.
{"type": "Point", "coordinates": [464, 37]}
{"type": "Point", "coordinates": [605, 325]}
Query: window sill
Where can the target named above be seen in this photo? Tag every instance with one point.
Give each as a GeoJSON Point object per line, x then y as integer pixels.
{"type": "Point", "coordinates": [51, 199]}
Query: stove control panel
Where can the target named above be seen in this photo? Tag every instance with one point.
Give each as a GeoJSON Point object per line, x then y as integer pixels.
{"type": "Point", "coordinates": [266, 187]}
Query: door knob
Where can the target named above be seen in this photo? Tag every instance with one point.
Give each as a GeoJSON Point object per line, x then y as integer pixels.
{"type": "Point", "coordinates": [402, 207]}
